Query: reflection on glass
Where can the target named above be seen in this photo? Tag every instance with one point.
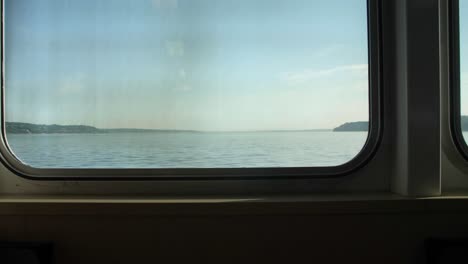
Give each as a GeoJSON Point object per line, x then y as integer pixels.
{"type": "Point", "coordinates": [186, 84]}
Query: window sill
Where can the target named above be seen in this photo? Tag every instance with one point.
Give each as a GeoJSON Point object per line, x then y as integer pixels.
{"type": "Point", "coordinates": [296, 205]}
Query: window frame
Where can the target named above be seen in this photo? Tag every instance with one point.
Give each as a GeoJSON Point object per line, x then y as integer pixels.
{"type": "Point", "coordinates": [360, 160]}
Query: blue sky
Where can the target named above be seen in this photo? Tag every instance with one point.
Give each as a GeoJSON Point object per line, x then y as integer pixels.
{"type": "Point", "coordinates": [187, 64]}
{"type": "Point", "coordinates": [464, 56]}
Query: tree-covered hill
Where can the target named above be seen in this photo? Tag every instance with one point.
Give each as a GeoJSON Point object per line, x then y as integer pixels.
{"type": "Point", "coordinates": [364, 126]}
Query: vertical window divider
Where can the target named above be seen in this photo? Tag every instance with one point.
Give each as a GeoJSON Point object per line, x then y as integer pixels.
{"type": "Point", "coordinates": [417, 132]}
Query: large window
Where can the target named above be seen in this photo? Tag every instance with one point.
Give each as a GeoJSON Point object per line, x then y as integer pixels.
{"type": "Point", "coordinates": [184, 84]}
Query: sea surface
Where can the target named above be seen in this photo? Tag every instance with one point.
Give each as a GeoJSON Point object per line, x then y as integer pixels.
{"type": "Point", "coordinates": [187, 149]}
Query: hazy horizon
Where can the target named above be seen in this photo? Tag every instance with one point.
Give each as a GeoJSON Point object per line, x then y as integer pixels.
{"type": "Point", "coordinates": [247, 65]}
{"type": "Point", "coordinates": [139, 128]}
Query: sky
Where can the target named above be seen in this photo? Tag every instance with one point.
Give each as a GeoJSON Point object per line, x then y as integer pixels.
{"type": "Point", "coordinates": [464, 56]}
{"type": "Point", "coordinates": [217, 65]}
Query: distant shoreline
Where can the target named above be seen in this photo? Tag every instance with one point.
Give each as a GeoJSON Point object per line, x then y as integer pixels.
{"type": "Point", "coordinates": [361, 126]}
{"type": "Point", "coordinates": [29, 128]}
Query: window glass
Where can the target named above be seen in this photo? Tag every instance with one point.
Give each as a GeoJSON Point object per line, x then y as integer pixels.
{"type": "Point", "coordinates": [463, 15]}
{"type": "Point", "coordinates": [187, 83]}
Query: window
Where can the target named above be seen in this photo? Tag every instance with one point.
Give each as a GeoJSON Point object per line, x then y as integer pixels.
{"type": "Point", "coordinates": [459, 72]}
{"type": "Point", "coordinates": [180, 87]}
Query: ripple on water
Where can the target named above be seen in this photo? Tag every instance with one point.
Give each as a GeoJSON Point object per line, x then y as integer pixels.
{"type": "Point", "coordinates": [188, 150]}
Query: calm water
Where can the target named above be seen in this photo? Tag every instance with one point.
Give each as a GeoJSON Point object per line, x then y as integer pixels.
{"type": "Point", "coordinates": [187, 150]}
